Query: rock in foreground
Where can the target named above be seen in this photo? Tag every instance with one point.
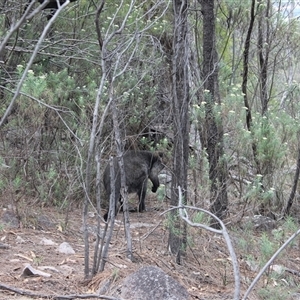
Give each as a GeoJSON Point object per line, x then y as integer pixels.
{"type": "Point", "coordinates": [152, 283]}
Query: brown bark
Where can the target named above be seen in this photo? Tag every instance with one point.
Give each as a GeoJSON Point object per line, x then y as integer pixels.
{"type": "Point", "coordinates": [213, 124]}
{"type": "Point", "coordinates": [294, 188]}
{"type": "Point", "coordinates": [263, 58]}
{"type": "Point", "coordinates": [177, 236]}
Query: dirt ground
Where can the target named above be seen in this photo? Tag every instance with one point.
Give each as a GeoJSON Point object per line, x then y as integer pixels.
{"type": "Point", "coordinates": [206, 271]}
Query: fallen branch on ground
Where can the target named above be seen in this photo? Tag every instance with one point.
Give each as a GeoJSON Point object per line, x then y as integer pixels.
{"type": "Point", "coordinates": [54, 297]}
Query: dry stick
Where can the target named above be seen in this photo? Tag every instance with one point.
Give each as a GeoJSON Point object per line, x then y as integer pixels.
{"type": "Point", "coordinates": [127, 224]}
{"type": "Point", "coordinates": [15, 27]}
{"type": "Point", "coordinates": [269, 263]}
{"type": "Point", "coordinates": [151, 231]}
{"type": "Point", "coordinates": [35, 51]}
{"type": "Point", "coordinates": [98, 210]}
{"type": "Point", "coordinates": [223, 231]}
{"type": "Point", "coordinates": [123, 190]}
{"type": "Point", "coordinates": [95, 132]}
{"type": "Point", "coordinates": [98, 131]}
{"type": "Point", "coordinates": [291, 271]}
{"type": "Point", "coordinates": [295, 184]}
{"type": "Point", "coordinates": [55, 297]}
{"type": "Point", "coordinates": [111, 217]}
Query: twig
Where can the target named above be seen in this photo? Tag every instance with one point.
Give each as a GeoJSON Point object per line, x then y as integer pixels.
{"type": "Point", "coordinates": [183, 214]}
{"type": "Point", "coordinates": [151, 231]}
{"type": "Point", "coordinates": [291, 271]}
{"type": "Point", "coordinates": [269, 263]}
{"type": "Point", "coordinates": [31, 60]}
{"type": "Point", "coordinates": [110, 221]}
{"type": "Point", "coordinates": [57, 297]}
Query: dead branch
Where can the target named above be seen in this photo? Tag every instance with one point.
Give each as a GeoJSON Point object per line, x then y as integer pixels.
{"type": "Point", "coordinates": [265, 267]}
{"type": "Point", "coordinates": [110, 221]}
{"type": "Point", "coordinates": [293, 272]}
{"type": "Point", "coordinates": [56, 297]}
{"type": "Point", "coordinates": [183, 214]}
{"type": "Point", "coordinates": [31, 60]}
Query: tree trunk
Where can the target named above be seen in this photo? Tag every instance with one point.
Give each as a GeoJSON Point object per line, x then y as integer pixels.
{"type": "Point", "coordinates": [263, 57]}
{"type": "Point", "coordinates": [294, 188]}
{"type": "Point", "coordinates": [177, 236]}
{"type": "Point", "coordinates": [245, 83]}
{"type": "Point", "coordinates": [213, 123]}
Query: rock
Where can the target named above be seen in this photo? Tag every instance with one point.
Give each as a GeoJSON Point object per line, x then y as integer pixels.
{"type": "Point", "coordinates": [10, 219]}
{"type": "Point", "coordinates": [44, 223]}
{"type": "Point", "coordinates": [277, 269]}
{"type": "Point", "coordinates": [264, 223]}
{"type": "Point", "coordinates": [4, 246]}
{"type": "Point", "coordinates": [260, 223]}
{"type": "Point", "coordinates": [19, 240]}
{"type": "Point", "coordinates": [65, 248]}
{"type": "Point", "coordinates": [31, 271]}
{"type": "Point", "coordinates": [47, 242]}
{"type": "Point", "coordinates": [152, 283]}
{"type": "Point", "coordinates": [104, 287]}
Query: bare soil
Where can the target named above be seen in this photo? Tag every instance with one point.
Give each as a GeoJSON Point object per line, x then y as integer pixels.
{"type": "Point", "coordinates": [206, 271]}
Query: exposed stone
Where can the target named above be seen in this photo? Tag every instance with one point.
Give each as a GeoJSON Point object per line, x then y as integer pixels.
{"type": "Point", "coordinates": [152, 283]}
{"type": "Point", "coordinates": [20, 240]}
{"type": "Point", "coordinates": [44, 223]}
{"type": "Point", "coordinates": [31, 271]}
{"type": "Point", "coordinates": [264, 223]}
{"type": "Point", "coordinates": [47, 242]}
{"type": "Point", "coordinates": [65, 248]}
{"type": "Point", "coordinates": [260, 223]}
{"type": "Point", "coordinates": [10, 219]}
{"type": "Point", "coordinates": [4, 246]}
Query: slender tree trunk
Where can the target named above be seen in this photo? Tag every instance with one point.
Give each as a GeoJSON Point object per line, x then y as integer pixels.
{"type": "Point", "coordinates": [213, 123]}
{"type": "Point", "coordinates": [263, 57]}
{"type": "Point", "coordinates": [177, 236]}
{"type": "Point", "coordinates": [120, 153]}
{"type": "Point", "coordinates": [294, 188]}
{"type": "Point", "coordinates": [245, 81]}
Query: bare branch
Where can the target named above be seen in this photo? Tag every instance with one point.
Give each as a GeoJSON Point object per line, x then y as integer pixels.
{"type": "Point", "coordinates": [56, 297]}
{"type": "Point", "coordinates": [269, 263]}
{"type": "Point", "coordinates": [38, 45]}
{"type": "Point", "coordinates": [16, 27]}
{"type": "Point", "coordinates": [99, 10]}
{"type": "Point", "coordinates": [110, 221]}
{"type": "Point", "coordinates": [183, 214]}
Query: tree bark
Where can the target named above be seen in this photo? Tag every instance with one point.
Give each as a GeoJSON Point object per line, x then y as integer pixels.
{"type": "Point", "coordinates": [263, 58]}
{"type": "Point", "coordinates": [245, 82]}
{"type": "Point", "coordinates": [177, 235]}
{"type": "Point", "coordinates": [213, 123]}
{"type": "Point", "coordinates": [294, 188]}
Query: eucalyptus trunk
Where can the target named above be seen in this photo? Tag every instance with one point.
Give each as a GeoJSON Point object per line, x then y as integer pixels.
{"type": "Point", "coordinates": [213, 123]}
{"type": "Point", "coordinates": [180, 88]}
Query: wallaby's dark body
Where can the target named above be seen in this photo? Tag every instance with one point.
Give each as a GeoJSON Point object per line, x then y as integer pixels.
{"type": "Point", "coordinates": [138, 167]}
